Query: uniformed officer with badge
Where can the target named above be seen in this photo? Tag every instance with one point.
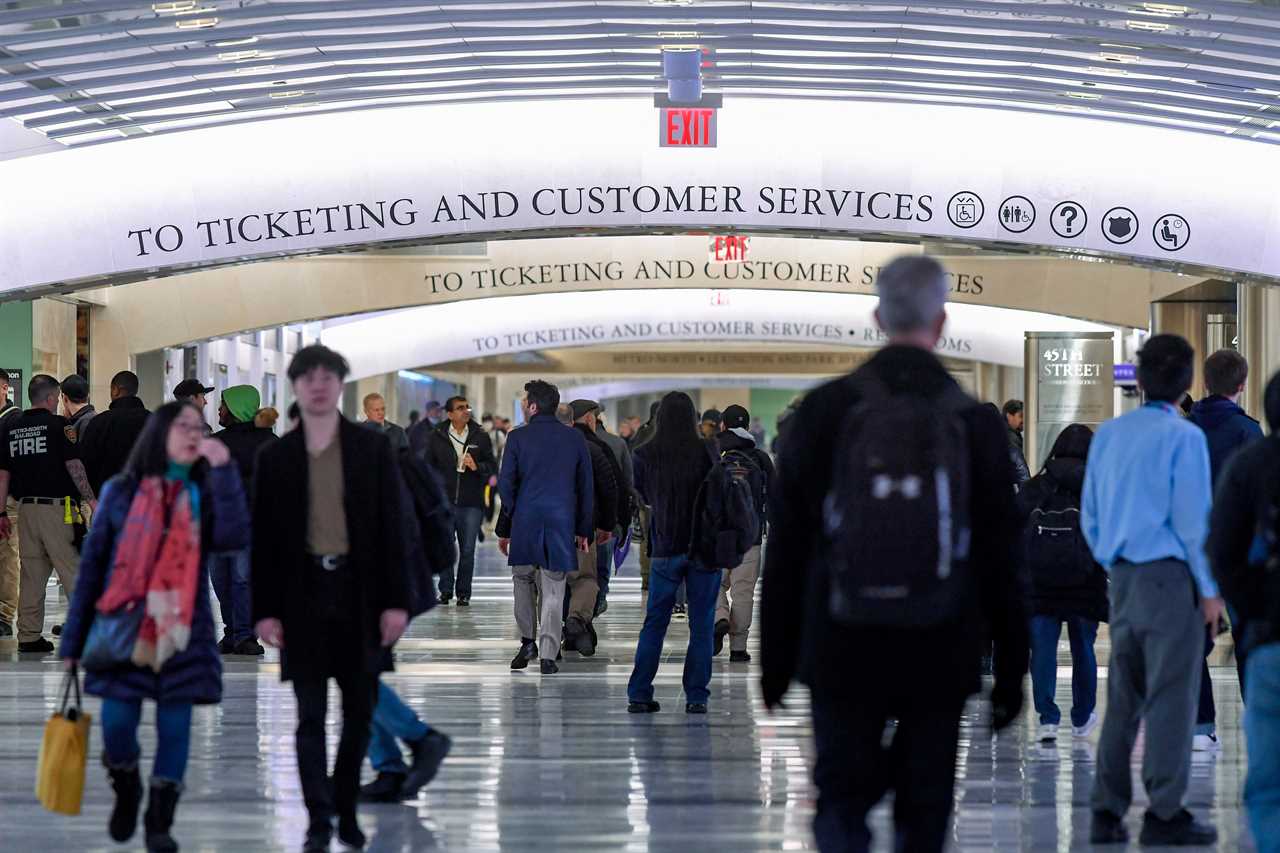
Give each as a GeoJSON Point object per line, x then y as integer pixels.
{"type": "Point", "coordinates": [41, 468]}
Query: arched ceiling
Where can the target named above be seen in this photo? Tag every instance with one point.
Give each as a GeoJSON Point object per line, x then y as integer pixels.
{"type": "Point", "coordinates": [100, 70]}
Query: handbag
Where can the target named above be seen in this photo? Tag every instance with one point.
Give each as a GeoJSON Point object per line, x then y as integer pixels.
{"type": "Point", "coordinates": [112, 637]}
{"type": "Point", "coordinates": [63, 753]}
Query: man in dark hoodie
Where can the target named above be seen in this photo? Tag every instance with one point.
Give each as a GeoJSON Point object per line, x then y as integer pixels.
{"type": "Point", "coordinates": [229, 570]}
{"type": "Point", "coordinates": [584, 583]}
{"type": "Point", "coordinates": [108, 438]}
{"type": "Point", "coordinates": [462, 452]}
{"type": "Point", "coordinates": [1243, 551]}
{"type": "Point", "coordinates": [1227, 429]}
{"type": "Point", "coordinates": [738, 585]}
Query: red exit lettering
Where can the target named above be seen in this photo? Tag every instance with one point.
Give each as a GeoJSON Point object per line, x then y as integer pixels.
{"type": "Point", "coordinates": [730, 248]}
{"type": "Point", "coordinates": [688, 128]}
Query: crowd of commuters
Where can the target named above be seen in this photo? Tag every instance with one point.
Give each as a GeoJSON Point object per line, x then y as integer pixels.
{"type": "Point", "coordinates": [916, 528]}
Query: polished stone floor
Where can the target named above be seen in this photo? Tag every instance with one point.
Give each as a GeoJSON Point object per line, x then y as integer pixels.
{"type": "Point", "coordinates": [556, 764]}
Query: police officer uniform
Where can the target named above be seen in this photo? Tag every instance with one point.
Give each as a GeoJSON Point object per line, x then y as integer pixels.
{"type": "Point", "coordinates": [35, 451]}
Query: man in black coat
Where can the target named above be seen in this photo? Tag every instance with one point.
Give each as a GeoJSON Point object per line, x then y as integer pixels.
{"type": "Point", "coordinates": [330, 588]}
{"type": "Point", "coordinates": [584, 582]}
{"type": "Point", "coordinates": [860, 677]}
{"type": "Point", "coordinates": [108, 438]}
{"type": "Point", "coordinates": [1241, 546]}
{"type": "Point", "coordinates": [229, 570]}
{"type": "Point", "coordinates": [461, 451]}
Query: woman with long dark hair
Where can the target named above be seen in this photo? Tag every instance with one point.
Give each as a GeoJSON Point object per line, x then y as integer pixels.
{"type": "Point", "coordinates": [141, 617]}
{"type": "Point", "coordinates": [1067, 586]}
{"type": "Point", "coordinates": [669, 469]}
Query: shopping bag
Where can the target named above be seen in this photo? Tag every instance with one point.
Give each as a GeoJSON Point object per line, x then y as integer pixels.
{"type": "Point", "coordinates": [63, 752]}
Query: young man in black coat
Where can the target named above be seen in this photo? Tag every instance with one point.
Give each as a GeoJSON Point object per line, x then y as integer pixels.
{"type": "Point", "coordinates": [462, 452]}
{"type": "Point", "coordinates": [108, 439]}
{"type": "Point", "coordinates": [330, 588]}
{"type": "Point", "coordinates": [860, 678]}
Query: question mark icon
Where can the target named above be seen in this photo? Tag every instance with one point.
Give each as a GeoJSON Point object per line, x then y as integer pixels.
{"type": "Point", "coordinates": [1064, 219]}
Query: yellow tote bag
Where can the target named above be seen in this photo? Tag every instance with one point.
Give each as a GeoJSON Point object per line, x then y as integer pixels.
{"type": "Point", "coordinates": [63, 752]}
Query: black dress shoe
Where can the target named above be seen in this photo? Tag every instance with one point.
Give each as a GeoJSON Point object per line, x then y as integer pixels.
{"type": "Point", "coordinates": [444, 599]}
{"type": "Point", "coordinates": [225, 645]}
{"type": "Point", "coordinates": [39, 646]}
{"type": "Point", "coordinates": [464, 602]}
{"type": "Point", "coordinates": [248, 646]}
{"type": "Point", "coordinates": [649, 707]}
{"type": "Point", "coordinates": [318, 836]}
{"type": "Point", "coordinates": [1181, 830]}
{"type": "Point", "coordinates": [1107, 828]}
{"type": "Point", "coordinates": [428, 754]}
{"type": "Point", "coordinates": [722, 631]}
{"type": "Point", "coordinates": [739, 657]}
{"type": "Point", "coordinates": [695, 708]}
{"type": "Point", "coordinates": [384, 789]}
{"type": "Point", "coordinates": [349, 832]}
{"type": "Point", "coordinates": [528, 651]}
{"type": "Point", "coordinates": [549, 667]}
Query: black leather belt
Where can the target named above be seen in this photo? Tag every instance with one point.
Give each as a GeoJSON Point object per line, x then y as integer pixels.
{"type": "Point", "coordinates": [43, 501]}
{"type": "Point", "coordinates": [329, 562]}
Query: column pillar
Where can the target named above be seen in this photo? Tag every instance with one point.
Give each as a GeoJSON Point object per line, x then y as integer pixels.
{"type": "Point", "coordinates": [15, 346]}
{"type": "Point", "coordinates": [1258, 322]}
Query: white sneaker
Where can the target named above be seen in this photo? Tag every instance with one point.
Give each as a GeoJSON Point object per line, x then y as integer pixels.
{"type": "Point", "coordinates": [1088, 727]}
{"type": "Point", "coordinates": [1048, 733]}
{"type": "Point", "coordinates": [1204, 743]}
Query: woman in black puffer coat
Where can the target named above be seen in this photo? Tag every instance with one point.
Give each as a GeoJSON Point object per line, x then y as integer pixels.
{"type": "Point", "coordinates": [1067, 586]}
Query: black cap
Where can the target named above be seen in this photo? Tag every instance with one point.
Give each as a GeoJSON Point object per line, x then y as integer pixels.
{"type": "Point", "coordinates": [190, 388]}
{"type": "Point", "coordinates": [711, 416]}
{"type": "Point", "coordinates": [76, 388]}
{"type": "Point", "coordinates": [736, 417]}
{"type": "Point", "coordinates": [581, 407]}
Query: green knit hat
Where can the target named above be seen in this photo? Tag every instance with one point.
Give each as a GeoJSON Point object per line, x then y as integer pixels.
{"type": "Point", "coordinates": [242, 401]}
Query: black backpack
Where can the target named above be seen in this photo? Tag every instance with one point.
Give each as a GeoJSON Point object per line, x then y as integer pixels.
{"type": "Point", "coordinates": [896, 520]}
{"type": "Point", "coordinates": [725, 520]}
{"type": "Point", "coordinates": [430, 507]}
{"type": "Point", "coordinates": [1058, 556]}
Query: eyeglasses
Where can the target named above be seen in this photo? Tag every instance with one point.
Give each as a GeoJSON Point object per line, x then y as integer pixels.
{"type": "Point", "coordinates": [460, 407]}
{"type": "Point", "coordinates": [189, 427]}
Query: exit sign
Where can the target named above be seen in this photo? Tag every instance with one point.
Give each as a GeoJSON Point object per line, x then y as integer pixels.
{"type": "Point", "coordinates": [687, 127]}
{"type": "Point", "coordinates": [728, 249]}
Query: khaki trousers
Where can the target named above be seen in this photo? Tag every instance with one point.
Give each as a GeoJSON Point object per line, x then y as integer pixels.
{"type": "Point", "coordinates": [584, 585]}
{"type": "Point", "coordinates": [10, 568]}
{"type": "Point", "coordinates": [46, 545]}
{"type": "Point", "coordinates": [738, 598]}
{"type": "Point", "coordinates": [538, 614]}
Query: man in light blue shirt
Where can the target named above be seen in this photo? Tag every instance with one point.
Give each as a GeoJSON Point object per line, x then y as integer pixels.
{"type": "Point", "coordinates": [1145, 514]}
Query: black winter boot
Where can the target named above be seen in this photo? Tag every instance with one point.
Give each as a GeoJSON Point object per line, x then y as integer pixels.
{"type": "Point", "coordinates": [127, 783]}
{"type": "Point", "coordinates": [159, 817]}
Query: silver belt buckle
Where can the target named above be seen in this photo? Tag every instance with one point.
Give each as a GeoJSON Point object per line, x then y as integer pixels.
{"type": "Point", "coordinates": [329, 562]}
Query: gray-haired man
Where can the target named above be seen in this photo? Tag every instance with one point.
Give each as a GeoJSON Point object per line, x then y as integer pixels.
{"type": "Point", "coordinates": [876, 568]}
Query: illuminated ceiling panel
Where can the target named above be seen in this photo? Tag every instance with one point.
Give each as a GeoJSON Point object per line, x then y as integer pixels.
{"type": "Point", "coordinates": [98, 70]}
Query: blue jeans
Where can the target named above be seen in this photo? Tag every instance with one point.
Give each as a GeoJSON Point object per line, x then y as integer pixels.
{"type": "Point", "coordinates": [120, 720]}
{"type": "Point", "coordinates": [1082, 632]}
{"type": "Point", "coordinates": [229, 572]}
{"type": "Point", "coordinates": [466, 524]}
{"type": "Point", "coordinates": [392, 719]}
{"type": "Point", "coordinates": [1262, 735]}
{"type": "Point", "coordinates": [665, 576]}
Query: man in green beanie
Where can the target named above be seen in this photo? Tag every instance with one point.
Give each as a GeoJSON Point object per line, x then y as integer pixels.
{"type": "Point", "coordinates": [229, 571]}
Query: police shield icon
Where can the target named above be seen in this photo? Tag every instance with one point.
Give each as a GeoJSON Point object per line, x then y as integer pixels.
{"type": "Point", "coordinates": [1119, 226]}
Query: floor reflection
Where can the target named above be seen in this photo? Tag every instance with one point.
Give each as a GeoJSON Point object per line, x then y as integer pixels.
{"type": "Point", "coordinates": [556, 763]}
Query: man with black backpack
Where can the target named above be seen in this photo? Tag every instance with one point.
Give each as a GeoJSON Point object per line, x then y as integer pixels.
{"type": "Point", "coordinates": [889, 549]}
{"type": "Point", "coordinates": [1244, 549]}
{"type": "Point", "coordinates": [738, 585]}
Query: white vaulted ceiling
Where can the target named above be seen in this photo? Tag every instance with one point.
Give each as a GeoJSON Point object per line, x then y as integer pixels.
{"type": "Point", "coordinates": [101, 70]}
